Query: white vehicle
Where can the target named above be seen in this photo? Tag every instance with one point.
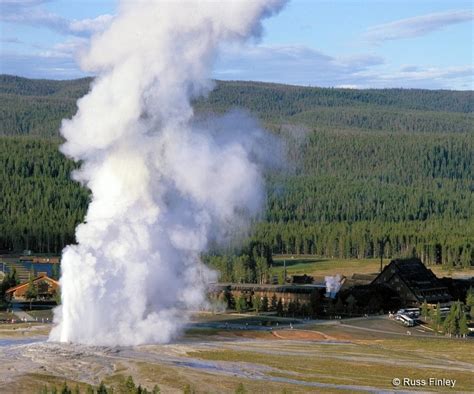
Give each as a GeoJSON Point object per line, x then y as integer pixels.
{"type": "Point", "coordinates": [415, 312]}
{"type": "Point", "coordinates": [405, 320]}
{"type": "Point", "coordinates": [412, 312]}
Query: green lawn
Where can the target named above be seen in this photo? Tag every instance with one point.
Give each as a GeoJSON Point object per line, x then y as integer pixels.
{"type": "Point", "coordinates": [315, 266]}
{"type": "Point", "coordinates": [318, 267]}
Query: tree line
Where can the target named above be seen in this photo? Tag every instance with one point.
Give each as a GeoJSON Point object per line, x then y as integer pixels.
{"type": "Point", "coordinates": [435, 242]}
{"type": "Point", "coordinates": [455, 323]}
{"type": "Point", "coordinates": [40, 205]}
{"type": "Point", "coordinates": [343, 189]}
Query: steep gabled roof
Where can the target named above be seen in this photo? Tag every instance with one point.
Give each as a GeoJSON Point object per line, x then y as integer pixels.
{"type": "Point", "coordinates": [37, 279]}
{"type": "Point", "coordinates": [421, 281]}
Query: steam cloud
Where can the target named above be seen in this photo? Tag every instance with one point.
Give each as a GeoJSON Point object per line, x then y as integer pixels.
{"type": "Point", "coordinates": [162, 184]}
{"type": "Point", "coordinates": [333, 284]}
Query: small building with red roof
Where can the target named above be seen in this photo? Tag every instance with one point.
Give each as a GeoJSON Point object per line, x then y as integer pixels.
{"type": "Point", "coordinates": [46, 289]}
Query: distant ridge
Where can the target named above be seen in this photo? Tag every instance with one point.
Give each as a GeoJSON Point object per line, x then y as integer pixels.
{"type": "Point", "coordinates": [74, 88]}
{"type": "Point", "coordinates": [36, 106]}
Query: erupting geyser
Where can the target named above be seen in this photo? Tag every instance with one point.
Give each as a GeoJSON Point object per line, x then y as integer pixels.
{"type": "Point", "coordinates": [162, 185]}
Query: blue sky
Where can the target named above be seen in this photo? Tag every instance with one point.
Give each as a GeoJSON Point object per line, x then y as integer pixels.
{"type": "Point", "coordinates": [352, 43]}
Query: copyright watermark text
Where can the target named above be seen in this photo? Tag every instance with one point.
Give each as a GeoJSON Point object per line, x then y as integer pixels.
{"type": "Point", "coordinates": [429, 382]}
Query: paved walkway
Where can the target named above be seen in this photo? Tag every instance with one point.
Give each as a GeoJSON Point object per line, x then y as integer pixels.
{"type": "Point", "coordinates": [23, 316]}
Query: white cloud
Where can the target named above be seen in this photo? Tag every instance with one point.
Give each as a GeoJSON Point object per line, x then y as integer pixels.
{"type": "Point", "coordinates": [417, 26]}
{"type": "Point", "coordinates": [290, 64]}
{"type": "Point", "coordinates": [68, 48]}
{"type": "Point", "coordinates": [300, 65]}
{"type": "Point", "coordinates": [91, 25]}
{"type": "Point", "coordinates": [349, 86]}
{"type": "Point", "coordinates": [37, 66]}
{"type": "Point", "coordinates": [36, 17]}
{"type": "Point", "coordinates": [454, 77]}
{"type": "Point", "coordinates": [29, 12]}
{"type": "Point", "coordinates": [297, 65]}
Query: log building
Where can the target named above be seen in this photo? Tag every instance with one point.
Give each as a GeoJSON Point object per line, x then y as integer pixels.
{"type": "Point", "coordinates": [413, 283]}
{"type": "Point", "coordinates": [46, 289]}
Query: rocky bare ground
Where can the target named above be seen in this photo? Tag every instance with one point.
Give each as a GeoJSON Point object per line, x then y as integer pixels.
{"type": "Point", "coordinates": [28, 356]}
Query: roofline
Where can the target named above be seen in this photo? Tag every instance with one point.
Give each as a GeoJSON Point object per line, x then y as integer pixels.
{"type": "Point", "coordinates": [12, 289]}
{"type": "Point", "coordinates": [414, 293]}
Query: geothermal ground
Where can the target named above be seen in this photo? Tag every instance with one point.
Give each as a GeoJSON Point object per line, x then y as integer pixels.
{"type": "Point", "coordinates": [265, 354]}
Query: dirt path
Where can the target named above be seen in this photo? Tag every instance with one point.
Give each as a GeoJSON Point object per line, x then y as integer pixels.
{"type": "Point", "coordinates": [297, 334]}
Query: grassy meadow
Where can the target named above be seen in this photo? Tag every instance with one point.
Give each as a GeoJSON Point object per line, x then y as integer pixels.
{"type": "Point", "coordinates": [319, 267]}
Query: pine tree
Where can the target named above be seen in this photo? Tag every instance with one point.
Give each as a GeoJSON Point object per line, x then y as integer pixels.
{"type": "Point", "coordinates": [463, 327]}
{"type": "Point", "coordinates": [241, 304]}
{"type": "Point", "coordinates": [103, 390]}
{"type": "Point", "coordinates": [450, 325]}
{"type": "Point", "coordinates": [129, 386]}
{"type": "Point", "coordinates": [279, 307]}
{"type": "Point", "coordinates": [424, 310]}
{"type": "Point", "coordinates": [188, 389]}
{"type": "Point", "coordinates": [470, 302]}
{"type": "Point", "coordinates": [65, 389]}
{"type": "Point", "coordinates": [31, 292]}
{"type": "Point", "coordinates": [265, 303]}
{"type": "Point", "coordinates": [274, 303]}
{"type": "Point", "coordinates": [43, 390]}
{"type": "Point", "coordinates": [292, 308]}
{"type": "Point", "coordinates": [256, 303]}
{"type": "Point", "coordinates": [240, 389]}
{"type": "Point", "coordinates": [437, 317]}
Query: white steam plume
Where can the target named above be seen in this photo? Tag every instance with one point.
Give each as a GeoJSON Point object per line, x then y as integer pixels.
{"type": "Point", "coordinates": [333, 285]}
{"type": "Point", "coordinates": [162, 186]}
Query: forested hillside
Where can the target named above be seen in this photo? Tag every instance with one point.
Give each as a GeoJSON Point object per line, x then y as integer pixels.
{"type": "Point", "coordinates": [36, 107]}
{"type": "Point", "coordinates": [39, 204]}
{"type": "Point", "coordinates": [375, 109]}
{"type": "Point", "coordinates": [363, 166]}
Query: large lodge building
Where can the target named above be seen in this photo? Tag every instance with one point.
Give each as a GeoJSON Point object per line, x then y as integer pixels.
{"type": "Point", "coordinates": [402, 283]}
{"type": "Point", "coordinates": [413, 283]}
{"type": "Point", "coordinates": [287, 293]}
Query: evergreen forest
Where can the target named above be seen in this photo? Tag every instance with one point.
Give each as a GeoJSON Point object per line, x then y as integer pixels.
{"type": "Point", "coordinates": [366, 172]}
